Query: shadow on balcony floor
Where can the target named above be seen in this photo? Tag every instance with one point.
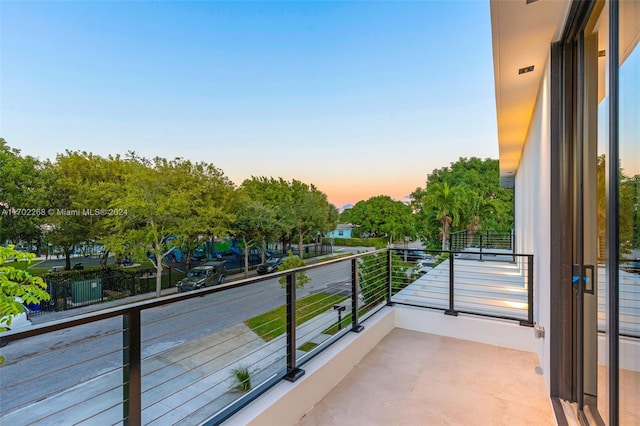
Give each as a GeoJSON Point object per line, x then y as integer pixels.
{"type": "Point", "coordinates": [413, 378]}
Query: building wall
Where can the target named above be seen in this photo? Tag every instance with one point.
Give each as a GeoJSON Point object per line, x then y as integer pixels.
{"type": "Point", "coordinates": [339, 233]}
{"type": "Point", "coordinates": [532, 211]}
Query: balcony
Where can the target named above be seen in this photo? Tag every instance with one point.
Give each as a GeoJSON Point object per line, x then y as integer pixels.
{"type": "Point", "coordinates": [389, 374]}
{"type": "Point", "coordinates": [174, 360]}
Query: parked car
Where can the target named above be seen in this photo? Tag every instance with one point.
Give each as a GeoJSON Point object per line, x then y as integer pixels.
{"type": "Point", "coordinates": [414, 255]}
{"type": "Point", "coordinates": [428, 261]}
{"type": "Point", "coordinates": [205, 275]}
{"type": "Point", "coordinates": [20, 321]}
{"type": "Point", "coordinates": [271, 265]}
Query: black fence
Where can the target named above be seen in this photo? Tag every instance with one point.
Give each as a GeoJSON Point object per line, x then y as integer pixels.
{"type": "Point", "coordinates": [72, 289]}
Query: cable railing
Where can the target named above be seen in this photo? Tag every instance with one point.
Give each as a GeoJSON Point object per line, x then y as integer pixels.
{"type": "Point", "coordinates": [199, 357]}
{"type": "Point", "coordinates": [459, 282]}
{"type": "Point", "coordinates": [628, 297]}
{"type": "Point", "coordinates": [482, 240]}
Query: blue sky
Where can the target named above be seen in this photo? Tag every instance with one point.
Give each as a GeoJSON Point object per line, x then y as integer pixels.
{"type": "Point", "coordinates": [359, 98]}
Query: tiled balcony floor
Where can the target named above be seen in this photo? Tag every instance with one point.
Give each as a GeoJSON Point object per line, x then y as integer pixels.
{"type": "Point", "coordinates": [413, 378]}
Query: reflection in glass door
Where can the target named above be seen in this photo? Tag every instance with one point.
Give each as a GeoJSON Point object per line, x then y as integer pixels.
{"type": "Point", "coordinates": [629, 213]}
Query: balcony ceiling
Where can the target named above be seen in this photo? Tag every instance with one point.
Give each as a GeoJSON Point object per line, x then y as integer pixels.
{"type": "Point", "coordinates": [521, 35]}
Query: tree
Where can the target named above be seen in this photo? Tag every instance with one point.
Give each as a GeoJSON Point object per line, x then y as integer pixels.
{"type": "Point", "coordinates": [293, 262]}
{"type": "Point", "coordinates": [67, 226]}
{"type": "Point", "coordinates": [447, 202]}
{"type": "Point", "coordinates": [275, 194]}
{"type": "Point", "coordinates": [482, 203]}
{"type": "Point", "coordinates": [17, 283]}
{"type": "Point", "coordinates": [210, 210]}
{"type": "Point", "coordinates": [381, 216]}
{"type": "Point", "coordinates": [22, 187]}
{"type": "Point", "coordinates": [479, 209]}
{"type": "Point", "coordinates": [152, 208]}
{"type": "Point", "coordinates": [629, 200]}
{"type": "Point", "coordinates": [166, 204]}
{"type": "Point", "coordinates": [301, 210]}
{"type": "Point", "coordinates": [84, 188]}
{"type": "Point", "coordinates": [311, 211]}
{"type": "Point", "coordinates": [255, 223]}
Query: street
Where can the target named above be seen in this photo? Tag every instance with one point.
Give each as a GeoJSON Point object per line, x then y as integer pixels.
{"type": "Point", "coordinates": [42, 366]}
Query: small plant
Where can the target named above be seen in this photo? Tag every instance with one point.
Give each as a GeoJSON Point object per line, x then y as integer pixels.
{"type": "Point", "coordinates": [292, 262]}
{"type": "Point", "coordinates": [242, 379]}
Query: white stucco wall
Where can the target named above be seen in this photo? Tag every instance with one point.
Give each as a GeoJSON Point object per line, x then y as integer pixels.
{"type": "Point", "coordinates": [532, 210]}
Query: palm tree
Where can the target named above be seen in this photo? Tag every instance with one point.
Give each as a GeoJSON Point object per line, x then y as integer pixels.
{"type": "Point", "coordinates": [480, 207]}
{"type": "Point", "coordinates": [447, 201]}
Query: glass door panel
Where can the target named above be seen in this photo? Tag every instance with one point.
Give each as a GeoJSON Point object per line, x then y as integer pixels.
{"type": "Point", "coordinates": [629, 214]}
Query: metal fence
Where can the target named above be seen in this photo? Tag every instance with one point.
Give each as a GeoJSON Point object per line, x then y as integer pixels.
{"type": "Point", "coordinates": [201, 356]}
{"type": "Point", "coordinates": [73, 289]}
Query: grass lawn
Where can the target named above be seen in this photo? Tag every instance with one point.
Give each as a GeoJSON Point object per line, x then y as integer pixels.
{"type": "Point", "coordinates": [306, 347]}
{"type": "Point", "coordinates": [274, 323]}
{"type": "Point", "coordinates": [21, 264]}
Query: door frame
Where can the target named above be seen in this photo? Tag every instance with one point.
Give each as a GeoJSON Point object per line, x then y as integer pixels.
{"type": "Point", "coordinates": [567, 232]}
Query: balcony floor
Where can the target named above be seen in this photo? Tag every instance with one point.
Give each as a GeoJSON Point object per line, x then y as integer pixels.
{"type": "Point", "coordinates": [413, 378]}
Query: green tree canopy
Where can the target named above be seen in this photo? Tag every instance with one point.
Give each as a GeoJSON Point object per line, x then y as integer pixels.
{"type": "Point", "coordinates": [381, 216]}
{"type": "Point", "coordinates": [87, 186]}
{"type": "Point", "coordinates": [478, 201]}
{"type": "Point", "coordinates": [210, 210]}
{"type": "Point", "coordinates": [255, 223]}
{"type": "Point", "coordinates": [22, 186]}
{"type": "Point", "coordinates": [301, 210]}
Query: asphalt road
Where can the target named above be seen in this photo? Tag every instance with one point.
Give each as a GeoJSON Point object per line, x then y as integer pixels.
{"type": "Point", "coordinates": [45, 365]}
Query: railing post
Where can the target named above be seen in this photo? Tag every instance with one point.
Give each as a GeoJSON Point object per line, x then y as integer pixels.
{"type": "Point", "coordinates": [65, 293]}
{"type": "Point", "coordinates": [132, 370]}
{"type": "Point", "coordinates": [389, 277]}
{"type": "Point", "coordinates": [480, 247]}
{"type": "Point", "coordinates": [355, 326]}
{"type": "Point", "coordinates": [451, 310]}
{"type": "Point", "coordinates": [529, 321]}
{"type": "Point", "coordinates": [55, 295]}
{"type": "Point", "coordinates": [293, 372]}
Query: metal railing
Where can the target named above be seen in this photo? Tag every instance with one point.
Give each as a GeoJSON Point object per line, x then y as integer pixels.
{"type": "Point", "coordinates": [493, 284]}
{"type": "Point", "coordinates": [199, 357]}
{"type": "Point", "coordinates": [482, 240]}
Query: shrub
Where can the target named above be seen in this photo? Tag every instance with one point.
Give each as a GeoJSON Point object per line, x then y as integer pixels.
{"type": "Point", "coordinates": [241, 378]}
